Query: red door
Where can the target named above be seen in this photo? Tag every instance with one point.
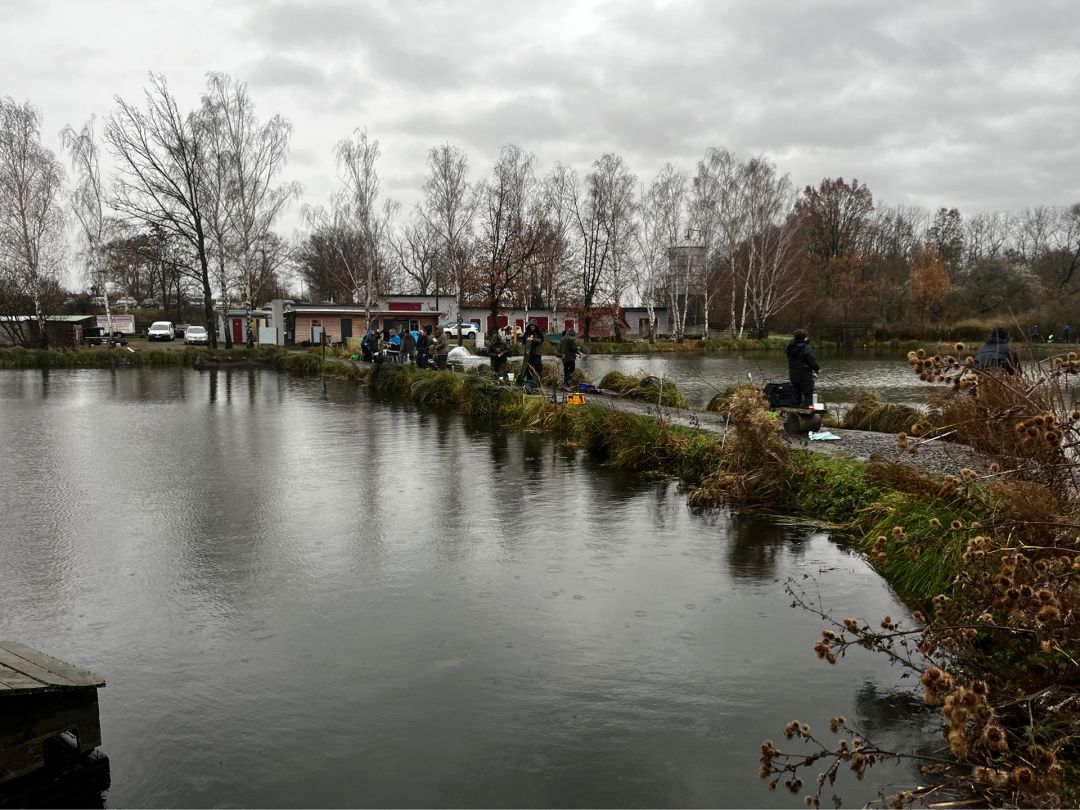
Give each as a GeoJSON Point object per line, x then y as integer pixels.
{"type": "Point", "coordinates": [237, 330]}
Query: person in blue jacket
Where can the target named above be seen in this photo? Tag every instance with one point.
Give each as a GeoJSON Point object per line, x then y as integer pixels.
{"type": "Point", "coordinates": [802, 367]}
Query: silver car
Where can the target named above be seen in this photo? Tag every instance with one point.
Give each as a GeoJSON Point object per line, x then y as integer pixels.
{"type": "Point", "coordinates": [197, 335]}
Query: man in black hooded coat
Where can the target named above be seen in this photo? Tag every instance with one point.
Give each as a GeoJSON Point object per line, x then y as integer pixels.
{"type": "Point", "coordinates": [996, 353]}
{"type": "Point", "coordinates": [802, 366]}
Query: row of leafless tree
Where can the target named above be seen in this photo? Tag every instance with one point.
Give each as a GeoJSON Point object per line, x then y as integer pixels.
{"type": "Point", "coordinates": [197, 194]}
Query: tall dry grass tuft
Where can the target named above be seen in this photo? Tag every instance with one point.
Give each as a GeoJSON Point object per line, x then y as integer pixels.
{"type": "Point", "coordinates": [758, 463]}
{"type": "Point", "coordinates": [1026, 421]}
{"type": "Point", "coordinates": [644, 388]}
{"type": "Point", "coordinates": [870, 412]}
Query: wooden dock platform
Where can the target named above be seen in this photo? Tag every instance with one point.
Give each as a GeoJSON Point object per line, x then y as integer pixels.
{"type": "Point", "coordinates": [43, 699]}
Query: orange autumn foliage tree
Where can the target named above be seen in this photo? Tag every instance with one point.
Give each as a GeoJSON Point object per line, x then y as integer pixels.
{"type": "Point", "coordinates": [929, 285]}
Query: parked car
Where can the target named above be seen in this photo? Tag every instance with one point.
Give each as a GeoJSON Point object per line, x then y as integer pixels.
{"type": "Point", "coordinates": [126, 301]}
{"type": "Point", "coordinates": [180, 329]}
{"type": "Point", "coordinates": [469, 330]}
{"type": "Point", "coordinates": [150, 303]}
{"type": "Point", "coordinates": [97, 301]}
{"type": "Point", "coordinates": [196, 335]}
{"type": "Point", "coordinates": [160, 330]}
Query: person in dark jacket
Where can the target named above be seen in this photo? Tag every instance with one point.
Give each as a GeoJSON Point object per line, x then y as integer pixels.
{"type": "Point", "coordinates": [802, 367]}
{"type": "Point", "coordinates": [499, 350]}
{"type": "Point", "coordinates": [442, 349]}
{"type": "Point", "coordinates": [568, 350]}
{"type": "Point", "coordinates": [534, 365]}
{"type": "Point", "coordinates": [996, 353]}
{"type": "Point", "coordinates": [408, 347]}
{"type": "Point", "coordinates": [423, 348]}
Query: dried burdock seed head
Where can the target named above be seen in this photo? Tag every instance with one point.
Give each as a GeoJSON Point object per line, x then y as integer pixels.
{"type": "Point", "coordinates": [956, 525]}
{"type": "Point", "coordinates": [1048, 613]}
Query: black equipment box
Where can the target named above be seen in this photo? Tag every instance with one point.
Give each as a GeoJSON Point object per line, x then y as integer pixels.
{"type": "Point", "coordinates": [781, 395]}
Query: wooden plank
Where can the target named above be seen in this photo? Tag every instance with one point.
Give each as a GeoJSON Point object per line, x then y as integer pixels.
{"type": "Point", "coordinates": [19, 682]}
{"type": "Point", "coordinates": [20, 664]}
{"type": "Point", "coordinates": [76, 675]}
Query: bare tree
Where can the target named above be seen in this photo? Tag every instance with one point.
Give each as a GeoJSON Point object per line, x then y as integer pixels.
{"type": "Point", "coordinates": [161, 178]}
{"type": "Point", "coordinates": [244, 159]}
{"type": "Point", "coordinates": [661, 222]}
{"type": "Point", "coordinates": [988, 234]}
{"type": "Point", "coordinates": [603, 226]}
{"type": "Point", "coordinates": [772, 276]}
{"type": "Point", "coordinates": [1034, 232]}
{"type": "Point", "coordinates": [88, 204]}
{"type": "Point", "coordinates": [31, 222]}
{"type": "Point", "coordinates": [449, 206]}
{"type": "Point", "coordinates": [719, 216]}
{"type": "Point", "coordinates": [418, 250]}
{"type": "Point", "coordinates": [513, 233]}
{"type": "Point", "coordinates": [553, 279]}
{"type": "Point", "coordinates": [358, 203]}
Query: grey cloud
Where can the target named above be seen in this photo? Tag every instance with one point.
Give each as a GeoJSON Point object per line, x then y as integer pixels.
{"type": "Point", "coordinates": [281, 70]}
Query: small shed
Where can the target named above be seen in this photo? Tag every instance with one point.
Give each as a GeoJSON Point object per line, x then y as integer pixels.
{"type": "Point", "coordinates": [42, 698]}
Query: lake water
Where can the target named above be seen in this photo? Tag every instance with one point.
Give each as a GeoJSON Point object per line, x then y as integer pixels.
{"type": "Point", "coordinates": [300, 597]}
{"type": "Point", "coordinates": [843, 376]}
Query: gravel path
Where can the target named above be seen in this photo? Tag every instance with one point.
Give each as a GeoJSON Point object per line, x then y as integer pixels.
{"type": "Point", "coordinates": [934, 456]}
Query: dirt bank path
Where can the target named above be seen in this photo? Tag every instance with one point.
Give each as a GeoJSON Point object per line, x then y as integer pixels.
{"type": "Point", "coordinates": [934, 456]}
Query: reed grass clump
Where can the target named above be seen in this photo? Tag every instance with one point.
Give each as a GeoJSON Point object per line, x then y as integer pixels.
{"type": "Point", "coordinates": [298, 363]}
{"type": "Point", "coordinates": [426, 387]}
{"type": "Point", "coordinates": [871, 413]}
{"type": "Point", "coordinates": [644, 388]}
{"type": "Point", "coordinates": [721, 400]}
{"type": "Point", "coordinates": [758, 465]}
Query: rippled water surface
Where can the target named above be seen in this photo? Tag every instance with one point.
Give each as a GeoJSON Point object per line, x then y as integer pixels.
{"type": "Point", "coordinates": [843, 376]}
{"type": "Point", "coordinates": [302, 598]}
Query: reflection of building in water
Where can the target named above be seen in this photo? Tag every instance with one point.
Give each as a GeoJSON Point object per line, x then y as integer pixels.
{"type": "Point", "coordinates": [49, 732]}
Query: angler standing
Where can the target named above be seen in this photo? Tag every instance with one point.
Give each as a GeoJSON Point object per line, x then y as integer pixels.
{"type": "Point", "coordinates": [802, 367]}
{"type": "Point", "coordinates": [568, 348]}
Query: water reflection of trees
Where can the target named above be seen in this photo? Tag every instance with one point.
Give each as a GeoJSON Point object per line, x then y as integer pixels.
{"type": "Point", "coordinates": [898, 719]}
{"type": "Point", "coordinates": [755, 546]}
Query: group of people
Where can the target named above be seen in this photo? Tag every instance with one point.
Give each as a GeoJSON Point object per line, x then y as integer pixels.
{"type": "Point", "coordinates": [410, 346]}
{"type": "Point", "coordinates": [1036, 335]}
{"type": "Point", "coordinates": [533, 339]}
{"type": "Point", "coordinates": [419, 347]}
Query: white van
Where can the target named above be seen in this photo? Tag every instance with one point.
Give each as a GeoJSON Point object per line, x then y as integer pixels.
{"type": "Point", "coordinates": [160, 330]}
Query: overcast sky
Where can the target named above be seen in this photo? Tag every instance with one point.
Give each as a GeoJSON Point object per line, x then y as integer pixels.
{"type": "Point", "coordinates": [967, 104]}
